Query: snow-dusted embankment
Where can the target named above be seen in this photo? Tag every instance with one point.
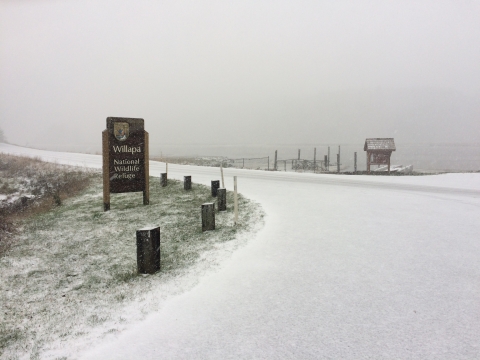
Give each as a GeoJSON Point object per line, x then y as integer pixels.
{"type": "Point", "coordinates": [346, 267]}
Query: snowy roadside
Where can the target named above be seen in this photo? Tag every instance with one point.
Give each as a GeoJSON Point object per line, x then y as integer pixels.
{"type": "Point", "coordinates": [70, 279]}
{"type": "Point", "coordinates": [466, 181]}
{"type": "Point", "coordinates": [345, 267]}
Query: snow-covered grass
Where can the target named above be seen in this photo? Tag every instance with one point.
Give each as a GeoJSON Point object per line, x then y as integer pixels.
{"type": "Point", "coordinates": [71, 275]}
{"type": "Point", "coordinates": [33, 178]}
{"type": "Point", "coordinates": [29, 186]}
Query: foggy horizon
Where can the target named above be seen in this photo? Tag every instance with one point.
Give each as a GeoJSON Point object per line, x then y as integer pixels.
{"type": "Point", "coordinates": [242, 73]}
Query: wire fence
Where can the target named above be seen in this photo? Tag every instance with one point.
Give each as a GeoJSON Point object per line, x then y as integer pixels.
{"type": "Point", "coordinates": [257, 163]}
{"type": "Point", "coordinates": [304, 165]}
{"type": "Point", "coordinates": [265, 163]}
{"type": "Point", "coordinates": [262, 163]}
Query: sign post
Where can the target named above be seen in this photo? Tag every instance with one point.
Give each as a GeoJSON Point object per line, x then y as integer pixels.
{"type": "Point", "coordinates": [125, 158]}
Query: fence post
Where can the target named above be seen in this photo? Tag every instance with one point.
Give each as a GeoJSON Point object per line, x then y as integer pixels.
{"type": "Point", "coordinates": [268, 163]}
{"type": "Point", "coordinates": [222, 199]}
{"type": "Point", "coordinates": [243, 164]}
{"type": "Point", "coordinates": [355, 162]}
{"type": "Point", "coordinates": [208, 216]}
{"type": "Point", "coordinates": [314, 160]}
{"type": "Point", "coordinates": [163, 179]}
{"type": "Point", "coordinates": [298, 154]}
{"type": "Point", "coordinates": [187, 182]}
{"type": "Point", "coordinates": [328, 159]}
{"type": "Point", "coordinates": [275, 163]}
{"type": "Point", "coordinates": [285, 165]}
{"type": "Point", "coordinates": [325, 161]}
{"type": "Point", "coordinates": [215, 186]}
{"type": "Point", "coordinates": [235, 199]}
{"type": "Point", "coordinates": [148, 250]}
{"type": "Point", "coordinates": [338, 159]}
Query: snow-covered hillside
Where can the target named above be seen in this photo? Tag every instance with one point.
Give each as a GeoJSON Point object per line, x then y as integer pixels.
{"type": "Point", "coordinates": [346, 267]}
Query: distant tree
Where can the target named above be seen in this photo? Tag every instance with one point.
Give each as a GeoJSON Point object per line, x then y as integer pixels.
{"type": "Point", "coordinates": [2, 136]}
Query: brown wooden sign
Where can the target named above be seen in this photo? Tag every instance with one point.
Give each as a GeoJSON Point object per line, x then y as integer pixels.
{"type": "Point", "coordinates": [380, 158]}
{"type": "Point", "coordinates": [379, 151]}
{"type": "Point", "coordinates": [125, 158]}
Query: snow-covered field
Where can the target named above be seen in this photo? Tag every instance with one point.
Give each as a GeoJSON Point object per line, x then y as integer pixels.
{"type": "Point", "coordinates": [346, 267]}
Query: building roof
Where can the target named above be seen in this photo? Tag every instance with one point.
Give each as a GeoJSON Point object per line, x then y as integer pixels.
{"type": "Point", "coordinates": [379, 144]}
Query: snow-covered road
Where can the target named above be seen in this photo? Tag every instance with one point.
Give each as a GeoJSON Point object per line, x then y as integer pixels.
{"type": "Point", "coordinates": [346, 267]}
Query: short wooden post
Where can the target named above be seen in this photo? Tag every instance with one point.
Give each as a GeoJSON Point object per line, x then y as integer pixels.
{"type": "Point", "coordinates": [338, 163]}
{"type": "Point", "coordinates": [148, 250]}
{"type": "Point", "coordinates": [222, 199]}
{"type": "Point", "coordinates": [163, 179]}
{"type": "Point", "coordinates": [268, 168]}
{"type": "Point", "coordinates": [368, 162]}
{"type": "Point", "coordinates": [298, 154]}
{"type": "Point", "coordinates": [187, 182]}
{"type": "Point", "coordinates": [235, 199]}
{"type": "Point", "coordinates": [215, 186]}
{"type": "Point", "coordinates": [208, 216]}
{"type": "Point", "coordinates": [328, 159]}
{"type": "Point", "coordinates": [355, 162]}
{"type": "Point", "coordinates": [325, 161]}
{"type": "Point", "coordinates": [314, 160]}
{"type": "Point", "coordinates": [275, 163]}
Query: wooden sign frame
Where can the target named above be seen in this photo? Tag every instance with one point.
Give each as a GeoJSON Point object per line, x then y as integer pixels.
{"type": "Point", "coordinates": [125, 158]}
{"type": "Point", "coordinates": [378, 158]}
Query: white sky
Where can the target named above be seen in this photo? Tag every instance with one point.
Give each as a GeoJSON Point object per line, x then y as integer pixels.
{"type": "Point", "coordinates": [246, 72]}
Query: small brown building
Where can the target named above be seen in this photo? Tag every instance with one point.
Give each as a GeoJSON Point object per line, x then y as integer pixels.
{"type": "Point", "coordinates": [379, 151]}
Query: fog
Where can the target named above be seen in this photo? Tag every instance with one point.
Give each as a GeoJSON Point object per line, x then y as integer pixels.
{"type": "Point", "coordinates": [241, 72]}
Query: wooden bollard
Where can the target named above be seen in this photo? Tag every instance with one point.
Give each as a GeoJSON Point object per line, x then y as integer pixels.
{"type": "Point", "coordinates": [163, 179]}
{"type": "Point", "coordinates": [148, 250]}
{"type": "Point", "coordinates": [222, 199]}
{"type": "Point", "coordinates": [355, 162]}
{"type": "Point", "coordinates": [215, 186]}
{"type": "Point", "coordinates": [208, 216]}
{"type": "Point", "coordinates": [187, 182]}
{"type": "Point", "coordinates": [328, 159]}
